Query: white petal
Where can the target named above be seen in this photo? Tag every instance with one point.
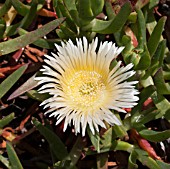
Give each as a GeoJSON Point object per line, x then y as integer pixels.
{"type": "Point", "coordinates": [107, 90]}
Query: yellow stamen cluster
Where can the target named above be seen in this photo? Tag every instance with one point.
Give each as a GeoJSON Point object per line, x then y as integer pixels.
{"type": "Point", "coordinates": [86, 89]}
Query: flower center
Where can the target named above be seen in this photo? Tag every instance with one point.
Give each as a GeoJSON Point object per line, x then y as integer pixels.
{"type": "Point", "coordinates": [86, 90]}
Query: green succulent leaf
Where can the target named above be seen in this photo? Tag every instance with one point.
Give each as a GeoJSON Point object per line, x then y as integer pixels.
{"type": "Point", "coordinates": [157, 60]}
{"type": "Point", "coordinates": [56, 145]}
{"type": "Point", "coordinates": [160, 53]}
{"type": "Point", "coordinates": [155, 37]}
{"type": "Point", "coordinates": [124, 146]}
{"type": "Point", "coordinates": [20, 7]}
{"type": "Point", "coordinates": [115, 145]}
{"type": "Point", "coordinates": [119, 131]}
{"type": "Point", "coordinates": [147, 81]}
{"type": "Point", "coordinates": [84, 9]}
{"type": "Point", "coordinates": [132, 160]}
{"type": "Point", "coordinates": [163, 165]}
{"type": "Point", "coordinates": [109, 10]}
{"type": "Point", "coordinates": [87, 9]}
{"type": "Point", "coordinates": [23, 9]}
{"type": "Point", "coordinates": [141, 29]}
{"type": "Point", "coordinates": [99, 4]}
{"type": "Point", "coordinates": [162, 87]}
{"type": "Point", "coordinates": [37, 96]}
{"type": "Point", "coordinates": [68, 32]}
{"type": "Point", "coordinates": [63, 9]}
{"type": "Point", "coordinates": [21, 41]}
{"type": "Point", "coordinates": [11, 80]}
{"type": "Point", "coordinates": [162, 104]}
{"type": "Point", "coordinates": [145, 93]}
{"type": "Point", "coordinates": [107, 138]}
{"type": "Point", "coordinates": [6, 120]}
{"type": "Point", "coordinates": [127, 52]}
{"type": "Point", "coordinates": [111, 134]}
{"type": "Point", "coordinates": [6, 6]}
{"type": "Point", "coordinates": [155, 136]}
{"type": "Point", "coordinates": [13, 158]}
{"type": "Point", "coordinates": [109, 143]}
{"type": "Point", "coordinates": [153, 3]}
{"type": "Point", "coordinates": [146, 160]}
{"type": "Point", "coordinates": [166, 75]}
{"type": "Point", "coordinates": [2, 27]}
{"type": "Point", "coordinates": [113, 25]}
{"type": "Point", "coordinates": [42, 43]}
{"type": "Point", "coordinates": [26, 21]}
{"type": "Point", "coordinates": [95, 139]}
{"type": "Point", "coordinates": [145, 116]}
{"type": "Point", "coordinates": [5, 161]}
{"type": "Point", "coordinates": [76, 151]}
{"type": "Point", "coordinates": [141, 4]}
{"type": "Point", "coordinates": [145, 60]}
{"type": "Point", "coordinates": [70, 4]}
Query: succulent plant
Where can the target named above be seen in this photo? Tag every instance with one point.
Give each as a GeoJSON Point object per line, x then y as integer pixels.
{"type": "Point", "coordinates": [136, 25]}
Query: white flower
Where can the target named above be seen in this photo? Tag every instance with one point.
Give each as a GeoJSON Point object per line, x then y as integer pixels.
{"type": "Point", "coordinates": [83, 88]}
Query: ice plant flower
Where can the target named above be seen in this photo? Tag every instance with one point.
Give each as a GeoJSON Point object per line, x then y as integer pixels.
{"type": "Point", "coordinates": [82, 87]}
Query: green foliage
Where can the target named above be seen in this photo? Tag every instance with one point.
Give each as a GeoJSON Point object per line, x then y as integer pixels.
{"type": "Point", "coordinates": [24, 10]}
{"type": "Point", "coordinates": [26, 21]}
{"type": "Point", "coordinates": [11, 80]}
{"type": "Point", "coordinates": [141, 35]}
{"type": "Point", "coordinates": [146, 160]}
{"type": "Point", "coordinates": [95, 139]}
{"type": "Point", "coordinates": [113, 25]}
{"type": "Point", "coordinates": [6, 120]}
{"type": "Point", "coordinates": [76, 151]}
{"type": "Point", "coordinates": [5, 161]}
{"type": "Point", "coordinates": [163, 165]}
{"type": "Point", "coordinates": [154, 135]}
{"type": "Point", "coordinates": [6, 6]}
{"type": "Point", "coordinates": [161, 104]}
{"type": "Point", "coordinates": [37, 96]}
{"type": "Point", "coordinates": [41, 42]}
{"type": "Point", "coordinates": [162, 87]}
{"type": "Point", "coordinates": [21, 41]}
{"type": "Point", "coordinates": [13, 158]}
{"type": "Point", "coordinates": [57, 148]}
{"type": "Point", "coordinates": [2, 27]}
{"type": "Point", "coordinates": [27, 86]}
{"type": "Point", "coordinates": [155, 36]}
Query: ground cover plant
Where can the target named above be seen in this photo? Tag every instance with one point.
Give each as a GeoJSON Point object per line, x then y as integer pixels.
{"type": "Point", "coordinates": [100, 70]}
